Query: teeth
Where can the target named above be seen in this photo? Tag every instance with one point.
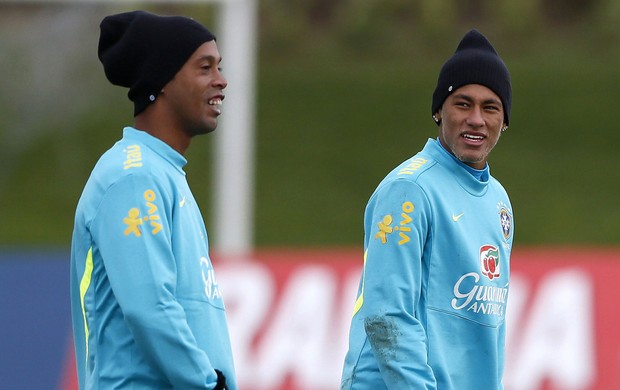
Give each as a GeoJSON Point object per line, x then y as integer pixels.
{"type": "Point", "coordinates": [473, 137]}
{"type": "Point", "coordinates": [215, 102]}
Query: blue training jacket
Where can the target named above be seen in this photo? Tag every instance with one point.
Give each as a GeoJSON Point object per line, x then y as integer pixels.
{"type": "Point", "coordinates": [432, 297]}
{"type": "Point", "coordinates": [146, 307]}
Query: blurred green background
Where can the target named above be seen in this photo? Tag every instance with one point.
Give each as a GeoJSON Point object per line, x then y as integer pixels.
{"type": "Point", "coordinates": [343, 95]}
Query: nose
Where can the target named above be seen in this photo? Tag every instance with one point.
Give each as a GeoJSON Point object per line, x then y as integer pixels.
{"type": "Point", "coordinates": [220, 81]}
{"type": "Point", "coordinates": [475, 117]}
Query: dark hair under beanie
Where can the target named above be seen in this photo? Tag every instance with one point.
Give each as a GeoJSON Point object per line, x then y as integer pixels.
{"type": "Point", "coordinates": [143, 51]}
{"type": "Point", "coordinates": [475, 61]}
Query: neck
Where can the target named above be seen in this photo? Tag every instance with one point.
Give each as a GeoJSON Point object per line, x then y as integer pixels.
{"type": "Point", "coordinates": [482, 174]}
{"type": "Point", "coordinates": [159, 127]}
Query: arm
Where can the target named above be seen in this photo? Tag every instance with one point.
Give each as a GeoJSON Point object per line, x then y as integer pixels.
{"type": "Point", "coordinates": [132, 231]}
{"type": "Point", "coordinates": [397, 225]}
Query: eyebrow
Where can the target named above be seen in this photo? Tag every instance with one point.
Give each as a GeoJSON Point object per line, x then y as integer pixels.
{"type": "Point", "coordinates": [209, 58]}
{"type": "Point", "coordinates": [470, 99]}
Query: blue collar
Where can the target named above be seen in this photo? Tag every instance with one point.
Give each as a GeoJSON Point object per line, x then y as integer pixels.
{"type": "Point", "coordinates": [157, 145]}
{"type": "Point", "coordinates": [462, 172]}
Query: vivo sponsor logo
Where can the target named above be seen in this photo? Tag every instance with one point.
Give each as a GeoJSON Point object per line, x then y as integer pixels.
{"type": "Point", "coordinates": [479, 298]}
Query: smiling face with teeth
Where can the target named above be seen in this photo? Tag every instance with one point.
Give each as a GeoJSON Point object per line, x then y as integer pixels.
{"type": "Point", "coordinates": [471, 121]}
{"type": "Point", "coordinates": [190, 103]}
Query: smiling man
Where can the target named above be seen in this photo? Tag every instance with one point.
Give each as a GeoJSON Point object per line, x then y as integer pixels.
{"type": "Point", "coordinates": [147, 310]}
{"type": "Point", "coordinates": [430, 312]}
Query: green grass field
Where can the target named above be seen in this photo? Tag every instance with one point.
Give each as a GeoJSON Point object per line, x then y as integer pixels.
{"type": "Point", "coordinates": [331, 125]}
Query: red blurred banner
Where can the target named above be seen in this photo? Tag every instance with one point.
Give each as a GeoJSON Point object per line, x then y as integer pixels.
{"type": "Point", "coordinates": [289, 314]}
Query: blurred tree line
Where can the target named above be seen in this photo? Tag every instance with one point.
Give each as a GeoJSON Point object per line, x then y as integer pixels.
{"type": "Point", "coordinates": [359, 24]}
{"type": "Point", "coordinates": [439, 14]}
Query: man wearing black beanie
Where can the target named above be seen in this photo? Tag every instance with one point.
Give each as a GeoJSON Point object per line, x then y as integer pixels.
{"type": "Point", "coordinates": [430, 312]}
{"type": "Point", "coordinates": [146, 307]}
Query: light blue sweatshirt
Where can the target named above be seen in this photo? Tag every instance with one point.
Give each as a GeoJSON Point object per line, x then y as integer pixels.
{"type": "Point", "coordinates": [432, 298]}
{"type": "Point", "coordinates": [147, 310]}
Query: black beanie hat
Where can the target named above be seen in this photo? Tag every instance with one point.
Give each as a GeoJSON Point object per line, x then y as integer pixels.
{"type": "Point", "coordinates": [143, 51]}
{"type": "Point", "coordinates": [475, 61]}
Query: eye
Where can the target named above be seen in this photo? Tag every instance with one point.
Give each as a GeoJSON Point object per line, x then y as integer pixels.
{"type": "Point", "coordinates": [209, 67]}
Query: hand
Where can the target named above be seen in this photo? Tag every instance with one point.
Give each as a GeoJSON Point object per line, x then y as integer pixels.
{"type": "Point", "coordinates": [221, 381]}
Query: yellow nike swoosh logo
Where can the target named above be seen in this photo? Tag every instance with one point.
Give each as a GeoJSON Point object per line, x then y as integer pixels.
{"type": "Point", "coordinates": [455, 218]}
{"type": "Point", "coordinates": [182, 202]}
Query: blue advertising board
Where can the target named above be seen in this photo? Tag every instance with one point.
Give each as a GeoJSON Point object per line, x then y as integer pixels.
{"type": "Point", "coordinates": [35, 327]}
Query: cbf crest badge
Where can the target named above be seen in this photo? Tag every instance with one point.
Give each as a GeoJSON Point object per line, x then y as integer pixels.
{"type": "Point", "coordinates": [505, 219]}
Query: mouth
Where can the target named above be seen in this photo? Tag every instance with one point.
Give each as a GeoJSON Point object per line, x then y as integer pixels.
{"type": "Point", "coordinates": [216, 103]}
{"type": "Point", "coordinates": [473, 139]}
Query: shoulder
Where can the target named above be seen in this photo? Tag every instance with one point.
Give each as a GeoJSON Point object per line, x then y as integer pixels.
{"type": "Point", "coordinates": [430, 161]}
{"type": "Point", "coordinates": [406, 183]}
{"type": "Point", "coordinates": [128, 158]}
{"type": "Point", "coordinates": [124, 168]}
{"type": "Point", "coordinates": [417, 179]}
{"type": "Point", "coordinates": [497, 186]}
{"type": "Point", "coordinates": [411, 172]}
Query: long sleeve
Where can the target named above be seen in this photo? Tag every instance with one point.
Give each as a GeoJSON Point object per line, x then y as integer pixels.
{"type": "Point", "coordinates": [397, 224]}
{"type": "Point", "coordinates": [132, 232]}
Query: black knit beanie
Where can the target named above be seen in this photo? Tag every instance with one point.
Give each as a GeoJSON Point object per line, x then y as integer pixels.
{"type": "Point", "coordinates": [143, 51]}
{"type": "Point", "coordinates": [475, 61]}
